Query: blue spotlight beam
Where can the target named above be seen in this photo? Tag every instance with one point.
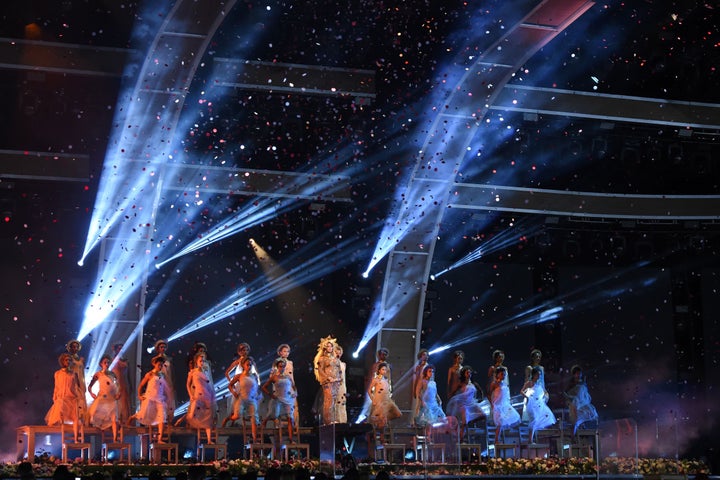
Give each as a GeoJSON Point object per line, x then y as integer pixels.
{"type": "Point", "coordinates": [148, 112]}
{"type": "Point", "coordinates": [270, 203]}
{"type": "Point", "coordinates": [462, 102]}
{"type": "Point", "coordinates": [151, 111]}
{"type": "Point", "coordinates": [499, 242]}
{"type": "Point", "coordinates": [259, 182]}
{"type": "Point", "coordinates": [261, 290]}
{"type": "Point", "coordinates": [587, 297]}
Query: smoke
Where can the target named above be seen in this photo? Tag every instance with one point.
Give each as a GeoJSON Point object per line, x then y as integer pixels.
{"type": "Point", "coordinates": [23, 408]}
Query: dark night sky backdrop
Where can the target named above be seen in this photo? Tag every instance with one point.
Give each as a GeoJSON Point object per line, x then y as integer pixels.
{"type": "Point", "coordinates": [645, 358]}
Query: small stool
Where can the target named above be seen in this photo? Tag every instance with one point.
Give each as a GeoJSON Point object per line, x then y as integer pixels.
{"type": "Point", "coordinates": [120, 447]}
{"type": "Point", "coordinates": [220, 450]}
{"type": "Point", "coordinates": [384, 448]}
{"type": "Point", "coordinates": [431, 448]}
{"type": "Point", "coordinates": [69, 444]}
{"type": "Point", "coordinates": [109, 445]}
{"type": "Point", "coordinates": [470, 447]}
{"type": "Point", "coordinates": [261, 447]}
{"type": "Point", "coordinates": [534, 450]}
{"type": "Point", "coordinates": [500, 449]}
{"type": "Point", "coordinates": [213, 443]}
{"type": "Point", "coordinates": [577, 450]}
{"type": "Point", "coordinates": [83, 447]}
{"type": "Point", "coordinates": [286, 448]}
{"type": "Point", "coordinates": [157, 449]}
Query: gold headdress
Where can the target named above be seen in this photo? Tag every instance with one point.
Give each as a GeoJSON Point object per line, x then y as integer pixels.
{"type": "Point", "coordinates": [320, 352]}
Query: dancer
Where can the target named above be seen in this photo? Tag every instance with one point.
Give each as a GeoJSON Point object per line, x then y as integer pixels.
{"type": "Point", "coordinates": [77, 366]}
{"type": "Point", "coordinates": [119, 367]}
{"type": "Point", "coordinates": [67, 396]}
{"type": "Point", "coordinates": [535, 359]}
{"type": "Point", "coordinates": [201, 391]}
{"type": "Point", "coordinates": [280, 387]}
{"type": "Point", "coordinates": [504, 414]}
{"type": "Point", "coordinates": [453, 378]}
{"type": "Point", "coordinates": [154, 394]}
{"type": "Point", "coordinates": [579, 400]}
{"type": "Point", "coordinates": [167, 371]}
{"type": "Point", "coordinates": [422, 361]}
{"type": "Point", "coordinates": [103, 411]}
{"type": "Point", "coordinates": [464, 404]}
{"type": "Point", "coordinates": [245, 390]}
{"type": "Point", "coordinates": [328, 374]}
{"type": "Point", "coordinates": [429, 404]}
{"type": "Point", "coordinates": [341, 404]}
{"type": "Point", "coordinates": [539, 414]}
{"type": "Point", "coordinates": [199, 348]}
{"type": "Point", "coordinates": [283, 351]}
{"type": "Point", "coordinates": [235, 368]}
{"type": "Point", "coordinates": [380, 357]}
{"type": "Point", "coordinates": [498, 359]}
{"type": "Point", "coordinates": [383, 408]}
{"type": "Point", "coordinates": [243, 352]}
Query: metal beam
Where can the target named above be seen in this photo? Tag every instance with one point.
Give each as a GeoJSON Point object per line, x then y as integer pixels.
{"type": "Point", "coordinates": [616, 108]}
{"type": "Point", "coordinates": [29, 165]}
{"type": "Point", "coordinates": [71, 59]}
{"type": "Point", "coordinates": [299, 79]}
{"type": "Point", "coordinates": [257, 182]}
{"type": "Point", "coordinates": [75, 59]}
{"type": "Point", "coordinates": [584, 204]}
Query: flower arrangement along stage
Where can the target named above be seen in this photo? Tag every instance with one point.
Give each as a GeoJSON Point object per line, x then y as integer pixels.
{"type": "Point", "coordinates": [552, 466]}
{"type": "Point", "coordinates": [44, 466]}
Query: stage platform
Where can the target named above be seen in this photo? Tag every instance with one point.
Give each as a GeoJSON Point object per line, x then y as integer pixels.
{"type": "Point", "coordinates": [397, 445]}
{"type": "Point", "coordinates": [364, 472]}
{"type": "Point", "coordinates": [42, 439]}
{"type": "Point", "coordinates": [331, 449]}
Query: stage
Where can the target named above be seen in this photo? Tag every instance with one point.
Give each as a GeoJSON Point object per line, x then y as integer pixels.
{"type": "Point", "coordinates": [331, 451]}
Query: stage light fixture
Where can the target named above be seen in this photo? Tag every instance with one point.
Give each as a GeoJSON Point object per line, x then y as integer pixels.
{"type": "Point", "coordinates": [311, 264]}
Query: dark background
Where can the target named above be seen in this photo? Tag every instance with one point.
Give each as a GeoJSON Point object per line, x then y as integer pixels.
{"type": "Point", "coordinates": [641, 319]}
